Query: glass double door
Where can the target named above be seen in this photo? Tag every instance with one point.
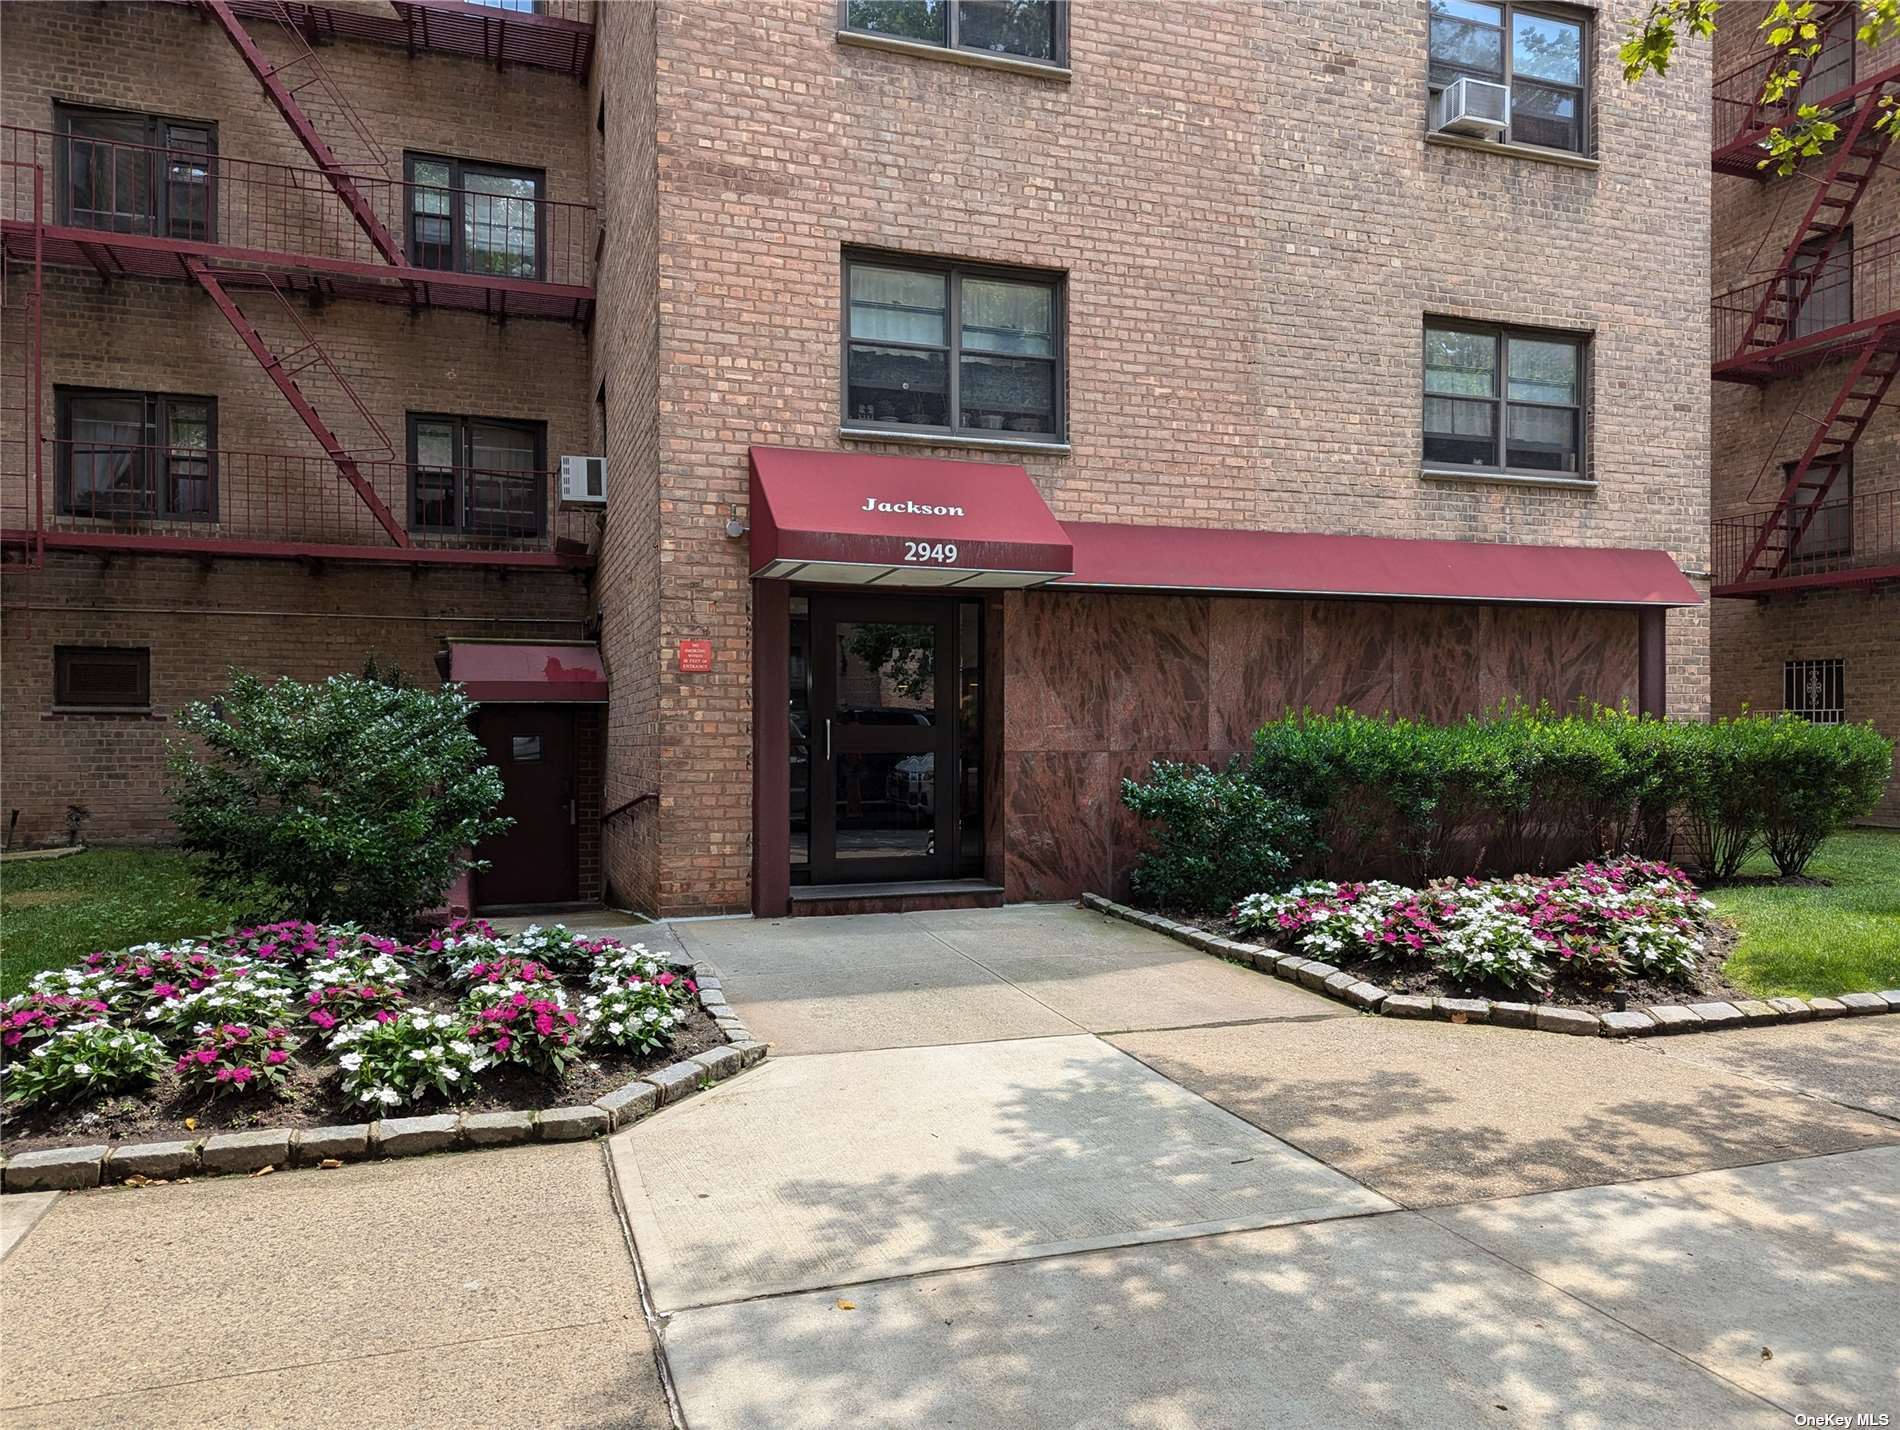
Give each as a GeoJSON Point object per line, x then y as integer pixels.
{"type": "Point", "coordinates": [886, 752]}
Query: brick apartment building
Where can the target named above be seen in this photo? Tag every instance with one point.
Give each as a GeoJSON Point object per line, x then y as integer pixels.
{"type": "Point", "coordinates": [992, 399]}
{"type": "Point", "coordinates": [1805, 343]}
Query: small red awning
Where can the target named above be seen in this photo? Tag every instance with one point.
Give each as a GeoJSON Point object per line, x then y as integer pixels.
{"type": "Point", "coordinates": [523, 672]}
{"type": "Point", "coordinates": [871, 520]}
{"type": "Point", "coordinates": [1184, 558]}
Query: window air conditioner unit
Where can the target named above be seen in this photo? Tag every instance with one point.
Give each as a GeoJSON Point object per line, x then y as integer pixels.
{"type": "Point", "coordinates": [584, 479]}
{"type": "Point", "coordinates": [1472, 106]}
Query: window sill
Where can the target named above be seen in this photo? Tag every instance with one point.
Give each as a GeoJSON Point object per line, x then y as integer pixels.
{"type": "Point", "coordinates": [1508, 479]}
{"type": "Point", "coordinates": [118, 712]}
{"type": "Point", "coordinates": [1561, 157]}
{"type": "Point", "coordinates": [946, 439]}
{"type": "Point", "coordinates": [978, 58]}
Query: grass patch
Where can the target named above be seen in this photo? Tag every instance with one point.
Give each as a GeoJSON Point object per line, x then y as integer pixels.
{"type": "Point", "coordinates": [56, 911]}
{"type": "Point", "coordinates": [1813, 940]}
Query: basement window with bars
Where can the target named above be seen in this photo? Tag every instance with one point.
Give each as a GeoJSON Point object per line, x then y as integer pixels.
{"type": "Point", "coordinates": [102, 678]}
{"type": "Point", "coordinates": [477, 476]}
{"type": "Point", "coordinates": [466, 217]}
{"type": "Point", "coordinates": [1540, 54]}
{"type": "Point", "coordinates": [126, 172]}
{"type": "Point", "coordinates": [1815, 690]}
{"type": "Point", "coordinates": [124, 456]}
{"type": "Point", "coordinates": [1033, 30]}
{"type": "Point", "coordinates": [1505, 401]}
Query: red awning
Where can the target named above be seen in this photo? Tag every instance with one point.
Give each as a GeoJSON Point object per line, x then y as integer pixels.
{"type": "Point", "coordinates": [1185, 558]}
{"type": "Point", "coordinates": [495, 672]}
{"type": "Point", "coordinates": [865, 519]}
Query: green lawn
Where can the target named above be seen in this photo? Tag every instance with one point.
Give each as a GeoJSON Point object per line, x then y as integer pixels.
{"type": "Point", "coordinates": [56, 911]}
{"type": "Point", "coordinates": [1811, 941]}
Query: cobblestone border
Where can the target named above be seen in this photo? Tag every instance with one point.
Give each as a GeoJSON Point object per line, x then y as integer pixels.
{"type": "Point", "coordinates": [99, 1164]}
{"type": "Point", "coordinates": [1636, 1023]}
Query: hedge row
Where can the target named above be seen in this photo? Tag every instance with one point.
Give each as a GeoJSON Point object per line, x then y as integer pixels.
{"type": "Point", "coordinates": [1349, 796]}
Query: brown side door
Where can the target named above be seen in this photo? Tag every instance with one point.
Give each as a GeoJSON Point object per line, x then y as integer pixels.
{"type": "Point", "coordinates": [538, 860]}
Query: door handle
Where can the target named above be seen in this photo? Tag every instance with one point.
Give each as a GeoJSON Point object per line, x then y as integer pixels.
{"type": "Point", "coordinates": [570, 809]}
{"type": "Point", "coordinates": [827, 739]}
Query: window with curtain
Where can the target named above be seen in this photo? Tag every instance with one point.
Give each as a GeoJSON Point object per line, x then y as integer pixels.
{"type": "Point", "coordinates": [953, 349]}
{"type": "Point", "coordinates": [1542, 55]}
{"type": "Point", "coordinates": [1506, 400]}
{"type": "Point", "coordinates": [135, 454]}
{"type": "Point", "coordinates": [477, 476]}
{"type": "Point", "coordinates": [134, 173]}
{"type": "Point", "coordinates": [1026, 29]}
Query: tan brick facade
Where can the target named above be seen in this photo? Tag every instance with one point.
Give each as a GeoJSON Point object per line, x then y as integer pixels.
{"type": "Point", "coordinates": [307, 619]}
{"type": "Point", "coordinates": [1757, 430]}
{"type": "Point", "coordinates": [1251, 247]}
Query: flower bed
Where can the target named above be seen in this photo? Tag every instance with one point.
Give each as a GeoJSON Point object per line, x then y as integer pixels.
{"type": "Point", "coordinates": [300, 1025]}
{"type": "Point", "coordinates": [1594, 936]}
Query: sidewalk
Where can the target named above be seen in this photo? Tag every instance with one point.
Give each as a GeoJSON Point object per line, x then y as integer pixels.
{"type": "Point", "coordinates": [1032, 1166]}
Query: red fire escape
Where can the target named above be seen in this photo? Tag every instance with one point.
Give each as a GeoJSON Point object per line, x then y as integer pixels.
{"type": "Point", "coordinates": [256, 235]}
{"type": "Point", "coordinates": [1828, 300]}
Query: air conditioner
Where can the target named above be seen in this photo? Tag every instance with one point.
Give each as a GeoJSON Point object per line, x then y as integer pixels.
{"type": "Point", "coordinates": [584, 479]}
{"type": "Point", "coordinates": [1472, 106]}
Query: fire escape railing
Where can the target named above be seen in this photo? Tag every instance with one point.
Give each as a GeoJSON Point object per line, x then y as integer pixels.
{"type": "Point", "coordinates": [22, 484]}
{"type": "Point", "coordinates": [235, 501]}
{"type": "Point", "coordinates": [125, 197]}
{"type": "Point", "coordinates": [1827, 308]}
{"type": "Point", "coordinates": [1740, 112]}
{"type": "Point", "coordinates": [1842, 542]}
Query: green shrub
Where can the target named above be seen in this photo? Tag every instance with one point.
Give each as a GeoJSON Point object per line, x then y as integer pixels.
{"type": "Point", "coordinates": [350, 799]}
{"type": "Point", "coordinates": [1526, 790]}
{"type": "Point", "coordinates": [1219, 837]}
{"type": "Point", "coordinates": [1814, 778]}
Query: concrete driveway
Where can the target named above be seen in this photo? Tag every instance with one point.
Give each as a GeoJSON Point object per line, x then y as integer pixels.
{"type": "Point", "coordinates": [1036, 1167]}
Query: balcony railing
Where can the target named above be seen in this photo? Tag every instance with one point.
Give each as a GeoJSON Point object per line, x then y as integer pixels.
{"type": "Point", "coordinates": [274, 214]}
{"type": "Point", "coordinates": [143, 495]}
{"type": "Point", "coordinates": [1853, 293]}
{"type": "Point", "coordinates": [1847, 542]}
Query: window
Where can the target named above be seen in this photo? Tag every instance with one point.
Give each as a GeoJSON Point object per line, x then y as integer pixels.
{"type": "Point", "coordinates": [136, 454]}
{"type": "Point", "coordinates": [102, 677]}
{"type": "Point", "coordinates": [943, 348]}
{"type": "Point", "coordinates": [474, 218]}
{"type": "Point", "coordinates": [1832, 70]}
{"type": "Point", "coordinates": [1503, 400]}
{"type": "Point", "coordinates": [1816, 689]}
{"type": "Point", "coordinates": [1830, 300]}
{"type": "Point", "coordinates": [514, 7]}
{"type": "Point", "coordinates": [1540, 54]}
{"type": "Point", "coordinates": [1035, 30]}
{"type": "Point", "coordinates": [477, 476]}
{"type": "Point", "coordinates": [1830, 531]}
{"type": "Point", "coordinates": [134, 173]}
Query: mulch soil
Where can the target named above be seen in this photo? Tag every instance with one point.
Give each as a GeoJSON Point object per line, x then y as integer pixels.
{"type": "Point", "coordinates": [1705, 985]}
{"type": "Point", "coordinates": [312, 1096]}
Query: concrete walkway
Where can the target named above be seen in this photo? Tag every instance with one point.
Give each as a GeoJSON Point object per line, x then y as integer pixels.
{"type": "Point", "coordinates": [1036, 1167]}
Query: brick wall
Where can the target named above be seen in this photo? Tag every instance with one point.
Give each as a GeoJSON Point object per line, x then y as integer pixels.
{"type": "Point", "coordinates": [1757, 430]}
{"type": "Point", "coordinates": [1251, 249]}
{"type": "Point", "coordinates": [200, 619]}
{"type": "Point", "coordinates": [627, 580]}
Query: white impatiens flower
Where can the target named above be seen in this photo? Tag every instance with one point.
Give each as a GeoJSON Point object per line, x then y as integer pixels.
{"type": "Point", "coordinates": [389, 1096]}
{"type": "Point", "coordinates": [416, 1055]}
{"type": "Point", "coordinates": [83, 1069]}
{"type": "Point", "coordinates": [351, 1061]}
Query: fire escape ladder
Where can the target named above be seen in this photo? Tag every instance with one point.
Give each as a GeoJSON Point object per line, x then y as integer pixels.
{"type": "Point", "coordinates": [1762, 114]}
{"type": "Point", "coordinates": [1849, 170]}
{"type": "Point", "coordinates": [1829, 451]}
{"type": "Point", "coordinates": [281, 94]}
{"type": "Point", "coordinates": [283, 371]}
